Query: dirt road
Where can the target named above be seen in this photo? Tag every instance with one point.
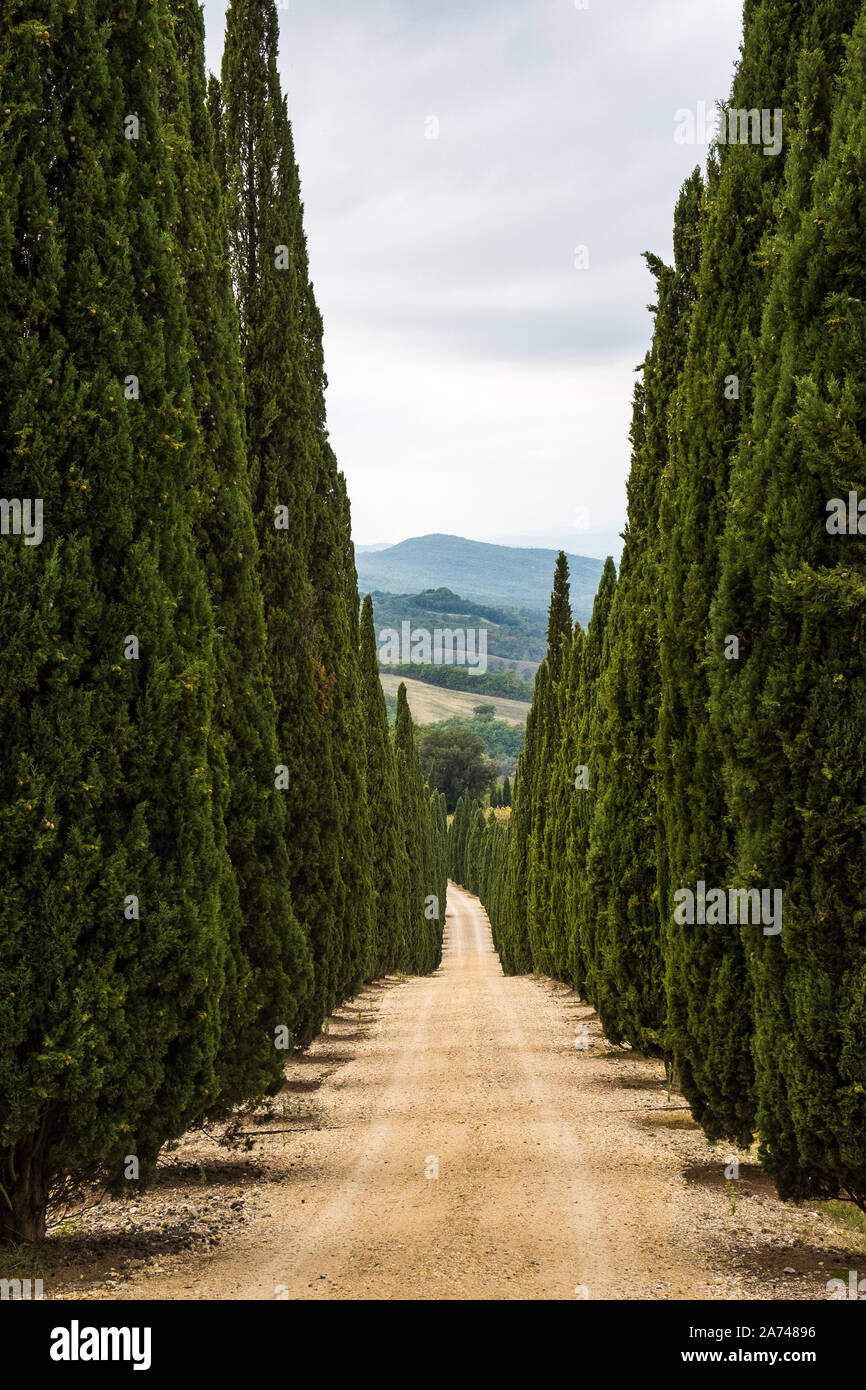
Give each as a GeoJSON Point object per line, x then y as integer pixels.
{"type": "Point", "coordinates": [468, 1136]}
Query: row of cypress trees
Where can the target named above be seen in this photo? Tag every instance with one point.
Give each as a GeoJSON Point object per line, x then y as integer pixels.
{"type": "Point", "coordinates": [708, 725]}
{"type": "Point", "coordinates": [207, 835]}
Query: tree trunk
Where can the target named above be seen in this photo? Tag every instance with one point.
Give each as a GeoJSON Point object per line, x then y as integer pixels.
{"type": "Point", "coordinates": [24, 1184]}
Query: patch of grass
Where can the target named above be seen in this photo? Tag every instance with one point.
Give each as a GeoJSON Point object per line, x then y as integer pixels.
{"type": "Point", "coordinates": [22, 1262]}
{"type": "Point", "coordinates": [677, 1119]}
{"type": "Point", "coordinates": [66, 1228]}
{"type": "Point", "coordinates": [845, 1214]}
{"type": "Point", "coordinates": [430, 703]}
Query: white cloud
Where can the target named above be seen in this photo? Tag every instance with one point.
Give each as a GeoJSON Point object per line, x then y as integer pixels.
{"type": "Point", "coordinates": [478, 382]}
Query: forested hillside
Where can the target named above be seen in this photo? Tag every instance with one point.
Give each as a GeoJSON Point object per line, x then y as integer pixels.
{"type": "Point", "coordinates": [493, 575]}
{"type": "Point", "coordinates": [686, 842]}
{"type": "Point", "coordinates": [515, 637]}
{"type": "Point", "coordinates": [207, 835]}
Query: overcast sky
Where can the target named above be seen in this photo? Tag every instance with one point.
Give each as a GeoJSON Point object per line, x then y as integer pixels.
{"type": "Point", "coordinates": [480, 383]}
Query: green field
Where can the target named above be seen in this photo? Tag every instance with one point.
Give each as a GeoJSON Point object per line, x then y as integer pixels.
{"type": "Point", "coordinates": [430, 703]}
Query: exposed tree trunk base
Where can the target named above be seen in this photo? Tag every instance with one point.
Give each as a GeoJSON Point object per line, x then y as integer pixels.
{"type": "Point", "coordinates": [24, 1185]}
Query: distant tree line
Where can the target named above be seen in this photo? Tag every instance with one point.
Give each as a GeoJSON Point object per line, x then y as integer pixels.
{"type": "Point", "coordinates": [504, 683]}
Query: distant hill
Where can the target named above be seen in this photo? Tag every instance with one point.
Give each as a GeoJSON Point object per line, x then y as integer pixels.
{"type": "Point", "coordinates": [500, 574]}
{"type": "Point", "coordinates": [515, 639]}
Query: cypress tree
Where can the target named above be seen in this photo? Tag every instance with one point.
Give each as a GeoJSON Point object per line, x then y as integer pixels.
{"type": "Point", "coordinates": [333, 574]}
{"type": "Point", "coordinates": [791, 713]}
{"type": "Point", "coordinates": [474, 843]}
{"type": "Point", "coordinates": [628, 982]}
{"type": "Point", "coordinates": [706, 974]}
{"type": "Point", "coordinates": [493, 888]}
{"type": "Point", "coordinates": [424, 930]}
{"type": "Point", "coordinates": [537, 868]}
{"type": "Point", "coordinates": [269, 968]}
{"type": "Point", "coordinates": [545, 935]}
{"type": "Point", "coordinates": [439, 818]}
{"type": "Point", "coordinates": [506, 792]}
{"type": "Point", "coordinates": [293, 482]}
{"type": "Point", "coordinates": [515, 950]}
{"type": "Point", "coordinates": [572, 778]}
{"type": "Point", "coordinates": [586, 944]}
{"type": "Point", "coordinates": [390, 861]}
{"type": "Point", "coordinates": [113, 950]}
{"type": "Point", "coordinates": [563, 790]}
{"type": "Point", "coordinates": [559, 619]}
{"type": "Point", "coordinates": [457, 839]}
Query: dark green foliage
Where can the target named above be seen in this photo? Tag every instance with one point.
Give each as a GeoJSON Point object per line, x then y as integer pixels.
{"type": "Point", "coordinates": [425, 919]}
{"type": "Point", "coordinates": [503, 742]}
{"type": "Point", "coordinates": [302, 518]}
{"type": "Point", "coordinates": [269, 968]}
{"type": "Point", "coordinates": [707, 976]}
{"type": "Point", "coordinates": [627, 985]}
{"type": "Point", "coordinates": [110, 1024]}
{"type": "Point", "coordinates": [453, 760]}
{"type": "Point", "coordinates": [513, 943]}
{"type": "Point", "coordinates": [586, 936]}
{"type": "Point", "coordinates": [170, 647]}
{"type": "Point", "coordinates": [457, 838]}
{"type": "Point", "coordinates": [474, 841]}
{"type": "Point", "coordinates": [545, 895]}
{"type": "Point", "coordinates": [491, 876]}
{"type": "Point", "coordinates": [262, 202]}
{"type": "Point", "coordinates": [559, 619]}
{"type": "Point", "coordinates": [740, 768]}
{"type": "Point", "coordinates": [439, 824]}
{"type": "Point", "coordinates": [791, 713]}
{"type": "Point", "coordinates": [555, 845]}
{"type": "Point", "coordinates": [390, 867]}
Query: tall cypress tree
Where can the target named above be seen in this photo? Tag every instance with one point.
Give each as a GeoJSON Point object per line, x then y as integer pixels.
{"type": "Point", "coordinates": [573, 812]}
{"type": "Point", "coordinates": [457, 839]}
{"type": "Point", "coordinates": [706, 972]}
{"type": "Point", "coordinates": [586, 941]}
{"type": "Point", "coordinates": [557, 846]}
{"type": "Point", "coordinates": [474, 843]}
{"type": "Point", "coordinates": [332, 571]}
{"type": "Point", "coordinates": [439, 817]}
{"type": "Point", "coordinates": [424, 929]}
{"type": "Point", "coordinates": [559, 619]}
{"type": "Point", "coordinates": [390, 863]}
{"type": "Point", "coordinates": [544, 703]}
{"type": "Point", "coordinates": [269, 970]}
{"type": "Point", "coordinates": [515, 950]}
{"type": "Point", "coordinates": [285, 446]}
{"type": "Point", "coordinates": [791, 714]}
{"type": "Point", "coordinates": [544, 934]}
{"type": "Point", "coordinates": [112, 952]}
{"type": "Point", "coordinates": [626, 828]}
